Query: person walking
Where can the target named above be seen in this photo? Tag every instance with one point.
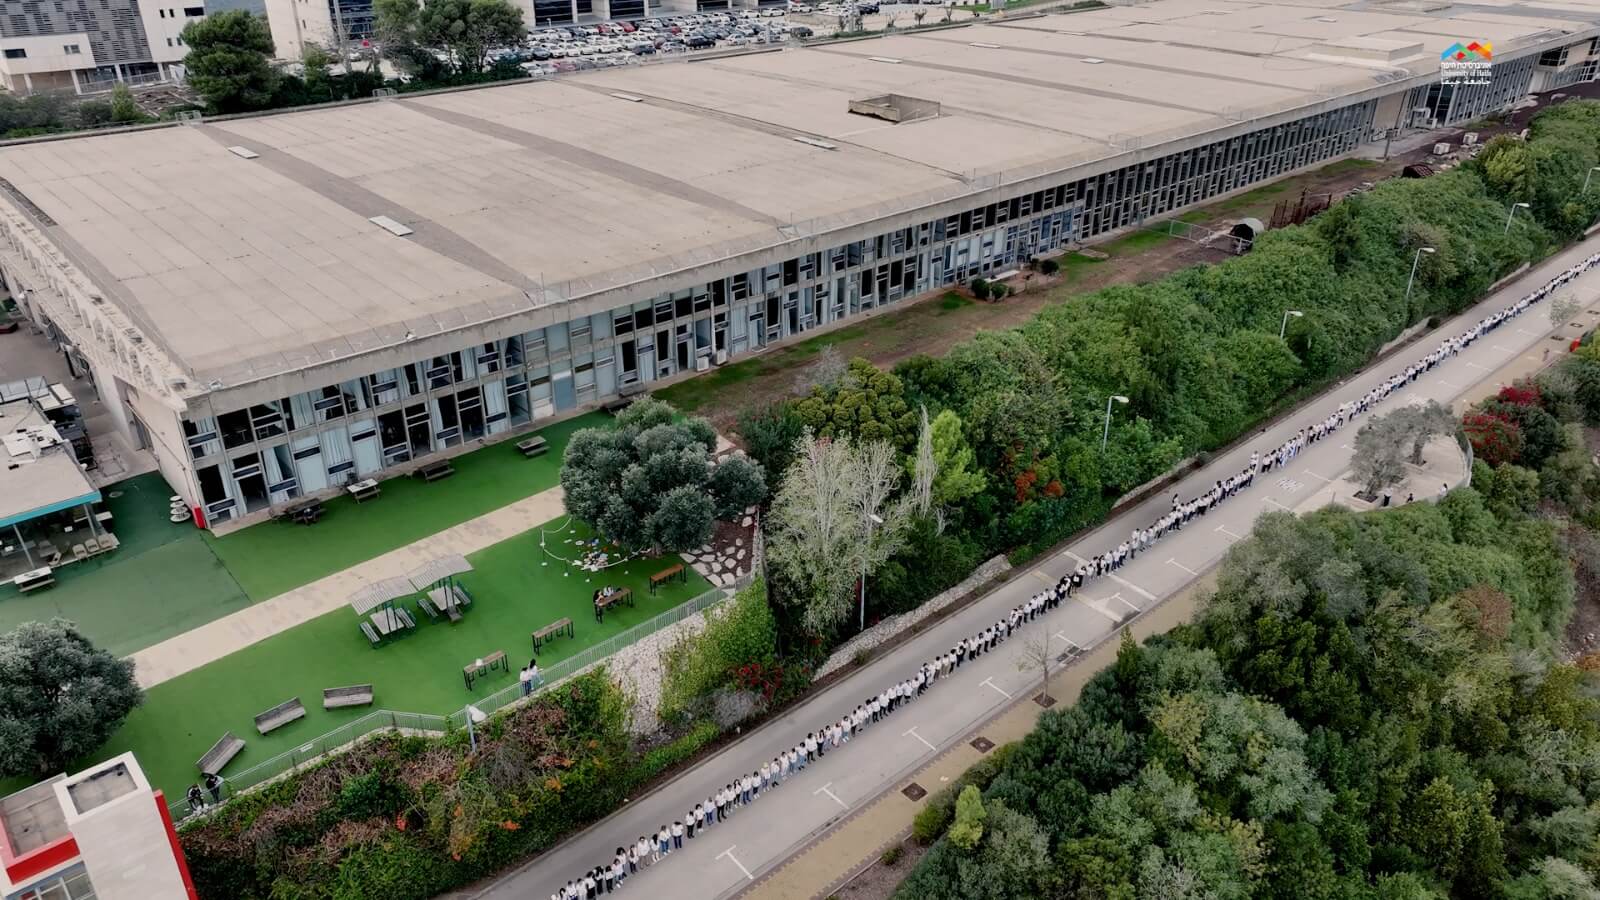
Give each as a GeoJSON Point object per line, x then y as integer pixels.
{"type": "Point", "coordinates": [197, 800]}
{"type": "Point", "coordinates": [214, 786]}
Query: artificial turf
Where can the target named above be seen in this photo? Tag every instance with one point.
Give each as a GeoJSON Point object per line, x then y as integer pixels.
{"type": "Point", "coordinates": [166, 579]}
{"type": "Point", "coordinates": [273, 557]}
{"type": "Point", "coordinates": [515, 591]}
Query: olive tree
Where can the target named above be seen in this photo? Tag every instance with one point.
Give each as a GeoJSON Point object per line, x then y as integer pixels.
{"type": "Point", "coordinates": [60, 697]}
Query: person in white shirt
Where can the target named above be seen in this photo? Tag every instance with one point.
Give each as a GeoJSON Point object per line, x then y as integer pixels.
{"type": "Point", "coordinates": [677, 836]}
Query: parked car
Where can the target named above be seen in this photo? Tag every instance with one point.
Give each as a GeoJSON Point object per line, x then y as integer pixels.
{"type": "Point", "coordinates": [800, 31]}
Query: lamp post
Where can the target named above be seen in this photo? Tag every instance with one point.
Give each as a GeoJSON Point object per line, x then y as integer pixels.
{"type": "Point", "coordinates": [1105, 434]}
{"type": "Point", "coordinates": [1413, 279]}
{"type": "Point", "coordinates": [474, 716]}
{"type": "Point", "coordinates": [1283, 329]}
{"type": "Point", "coordinates": [1588, 175]}
{"type": "Point", "coordinates": [872, 519]}
{"type": "Point", "coordinates": [1510, 215]}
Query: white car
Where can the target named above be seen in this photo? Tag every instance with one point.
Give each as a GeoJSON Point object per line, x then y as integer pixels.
{"type": "Point", "coordinates": [799, 8]}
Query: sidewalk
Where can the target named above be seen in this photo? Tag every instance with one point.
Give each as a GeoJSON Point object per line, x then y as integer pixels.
{"type": "Point", "coordinates": [214, 640]}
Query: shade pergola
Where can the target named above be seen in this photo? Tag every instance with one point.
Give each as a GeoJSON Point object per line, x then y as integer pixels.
{"type": "Point", "coordinates": [380, 595]}
{"type": "Point", "coordinates": [436, 578]}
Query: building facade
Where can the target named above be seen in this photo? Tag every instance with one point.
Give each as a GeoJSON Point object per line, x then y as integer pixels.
{"type": "Point", "coordinates": [88, 46]}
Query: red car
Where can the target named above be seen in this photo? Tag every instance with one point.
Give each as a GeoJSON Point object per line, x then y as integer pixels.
{"type": "Point", "coordinates": [627, 27]}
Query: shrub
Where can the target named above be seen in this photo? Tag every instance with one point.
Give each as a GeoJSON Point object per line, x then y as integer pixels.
{"type": "Point", "coordinates": [980, 288]}
{"type": "Point", "coordinates": [739, 634]}
{"type": "Point", "coordinates": [998, 291]}
{"type": "Point", "coordinates": [1049, 267]}
{"type": "Point", "coordinates": [892, 855]}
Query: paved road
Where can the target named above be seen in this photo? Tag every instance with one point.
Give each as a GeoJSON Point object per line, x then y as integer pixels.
{"type": "Point", "coordinates": [730, 857]}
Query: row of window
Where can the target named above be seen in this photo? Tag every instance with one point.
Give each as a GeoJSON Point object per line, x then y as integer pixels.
{"type": "Point", "coordinates": [189, 12]}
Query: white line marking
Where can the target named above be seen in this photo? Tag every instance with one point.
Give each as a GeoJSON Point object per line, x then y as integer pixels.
{"type": "Point", "coordinates": [913, 731]}
{"type": "Point", "coordinates": [826, 789]}
{"type": "Point", "coordinates": [990, 683]}
{"type": "Point", "coordinates": [1068, 641]}
{"type": "Point", "coordinates": [1274, 503]}
{"type": "Point", "coordinates": [1501, 349]}
{"type": "Point", "coordinates": [1133, 587]}
{"type": "Point", "coordinates": [1039, 574]}
{"type": "Point", "coordinates": [1120, 599]}
{"type": "Point", "coordinates": [1527, 332]}
{"type": "Point", "coordinates": [1476, 366]}
{"type": "Point", "coordinates": [735, 860]}
{"type": "Point", "coordinates": [1224, 530]}
{"type": "Point", "coordinates": [1086, 602]}
{"type": "Point", "coordinates": [1173, 562]}
{"type": "Point", "coordinates": [1315, 475]}
{"type": "Point", "coordinates": [1074, 556]}
{"type": "Point", "coordinates": [1449, 385]}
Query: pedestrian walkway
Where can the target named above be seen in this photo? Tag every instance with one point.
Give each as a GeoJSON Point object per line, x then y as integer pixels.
{"type": "Point", "coordinates": [215, 640]}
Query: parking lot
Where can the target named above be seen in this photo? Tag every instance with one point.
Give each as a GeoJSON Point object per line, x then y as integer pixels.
{"type": "Point", "coordinates": [568, 48]}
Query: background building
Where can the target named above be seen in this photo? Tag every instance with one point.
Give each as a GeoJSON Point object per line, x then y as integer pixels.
{"type": "Point", "coordinates": [296, 23]}
{"type": "Point", "coordinates": [90, 45]}
{"type": "Point", "coordinates": [278, 305]}
{"type": "Point", "coordinates": [102, 834]}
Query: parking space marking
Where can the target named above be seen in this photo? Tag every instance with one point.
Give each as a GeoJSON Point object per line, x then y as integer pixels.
{"type": "Point", "coordinates": [1224, 530]}
{"type": "Point", "coordinates": [1315, 475]}
{"type": "Point", "coordinates": [913, 732]}
{"type": "Point", "coordinates": [735, 860]}
{"type": "Point", "coordinates": [1039, 574]}
{"type": "Point", "coordinates": [1477, 366]}
{"type": "Point", "coordinates": [1075, 556]}
{"type": "Point", "coordinates": [828, 789]}
{"type": "Point", "coordinates": [1068, 641]}
{"type": "Point", "coordinates": [990, 682]}
{"type": "Point", "coordinates": [1131, 586]}
{"type": "Point", "coordinates": [1277, 504]}
{"type": "Point", "coordinates": [1124, 601]}
{"type": "Point", "coordinates": [1173, 562]}
{"type": "Point", "coordinates": [1451, 386]}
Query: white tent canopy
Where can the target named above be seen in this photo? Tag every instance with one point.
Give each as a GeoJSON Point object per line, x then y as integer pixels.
{"type": "Point", "coordinates": [378, 593]}
{"type": "Point", "coordinates": [437, 570]}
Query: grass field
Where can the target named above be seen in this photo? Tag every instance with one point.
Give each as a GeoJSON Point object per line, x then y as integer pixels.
{"type": "Point", "coordinates": [273, 557]}
{"type": "Point", "coordinates": [166, 579]}
{"type": "Point", "coordinates": [516, 592]}
{"type": "Point", "coordinates": [688, 396]}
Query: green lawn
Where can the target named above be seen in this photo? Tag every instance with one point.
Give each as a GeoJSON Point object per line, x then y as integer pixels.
{"type": "Point", "coordinates": [272, 557]}
{"type": "Point", "coordinates": [166, 579]}
{"type": "Point", "coordinates": [516, 592]}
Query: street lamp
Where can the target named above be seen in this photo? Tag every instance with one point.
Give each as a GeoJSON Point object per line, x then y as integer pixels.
{"type": "Point", "coordinates": [1105, 435]}
{"type": "Point", "coordinates": [1412, 280]}
{"type": "Point", "coordinates": [475, 716]}
{"type": "Point", "coordinates": [1513, 212]}
{"type": "Point", "coordinates": [872, 519]}
{"type": "Point", "coordinates": [1284, 328]}
{"type": "Point", "coordinates": [1589, 175]}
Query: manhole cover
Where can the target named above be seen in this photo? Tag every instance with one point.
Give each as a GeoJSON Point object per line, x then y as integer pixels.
{"type": "Point", "coordinates": [914, 791]}
{"type": "Point", "coordinates": [982, 744]}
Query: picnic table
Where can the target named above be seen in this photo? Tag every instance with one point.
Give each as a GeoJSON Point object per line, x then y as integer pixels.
{"type": "Point", "coordinates": [34, 579]}
{"type": "Point", "coordinates": [391, 620]}
{"type": "Point", "coordinates": [449, 599]}
{"type": "Point", "coordinates": [602, 602]}
{"type": "Point", "coordinates": [479, 668]}
{"type": "Point", "coordinates": [667, 574]}
{"type": "Point", "coordinates": [554, 629]}
{"type": "Point", "coordinates": [533, 446]}
{"type": "Point", "coordinates": [363, 490]}
{"type": "Point", "coordinates": [435, 470]}
{"type": "Point", "coordinates": [306, 513]}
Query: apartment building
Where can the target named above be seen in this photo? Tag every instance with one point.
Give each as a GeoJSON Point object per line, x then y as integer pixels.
{"type": "Point", "coordinates": [88, 46]}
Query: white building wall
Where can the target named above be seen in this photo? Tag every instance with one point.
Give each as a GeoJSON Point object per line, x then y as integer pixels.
{"type": "Point", "coordinates": [47, 59]}
{"type": "Point", "coordinates": [124, 844]}
{"type": "Point", "coordinates": [164, 21]}
{"type": "Point", "coordinates": [295, 23]}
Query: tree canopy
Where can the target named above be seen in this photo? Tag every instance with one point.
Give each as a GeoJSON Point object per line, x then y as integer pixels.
{"type": "Point", "coordinates": [60, 697]}
{"type": "Point", "coordinates": [228, 61]}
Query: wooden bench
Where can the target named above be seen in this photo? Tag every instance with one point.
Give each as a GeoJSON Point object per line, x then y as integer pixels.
{"type": "Point", "coordinates": [340, 697]}
{"type": "Point", "coordinates": [620, 595]}
{"type": "Point", "coordinates": [371, 633]}
{"type": "Point", "coordinates": [280, 715]}
{"type": "Point", "coordinates": [427, 607]}
{"type": "Point", "coordinates": [667, 574]}
{"type": "Point", "coordinates": [625, 396]}
{"type": "Point", "coordinates": [405, 618]}
{"type": "Point", "coordinates": [223, 751]}
{"type": "Point", "coordinates": [436, 470]}
{"type": "Point", "coordinates": [534, 446]}
{"type": "Point", "coordinates": [554, 629]}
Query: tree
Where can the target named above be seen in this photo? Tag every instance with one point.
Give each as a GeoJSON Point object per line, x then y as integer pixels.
{"type": "Point", "coordinates": [469, 29]}
{"type": "Point", "coordinates": [923, 468]}
{"type": "Point", "coordinates": [824, 372]}
{"type": "Point", "coordinates": [770, 434]}
{"type": "Point", "coordinates": [1495, 439]}
{"type": "Point", "coordinates": [822, 536]}
{"type": "Point", "coordinates": [1036, 653]}
{"type": "Point", "coordinates": [60, 697]}
{"type": "Point", "coordinates": [1562, 309]}
{"type": "Point", "coordinates": [958, 474]}
{"type": "Point", "coordinates": [123, 107]}
{"type": "Point", "coordinates": [1378, 461]}
{"type": "Point", "coordinates": [967, 830]}
{"type": "Point", "coordinates": [228, 61]}
{"type": "Point", "coordinates": [867, 404]}
{"type": "Point", "coordinates": [315, 62]}
{"type": "Point", "coordinates": [1421, 422]}
{"type": "Point", "coordinates": [650, 481]}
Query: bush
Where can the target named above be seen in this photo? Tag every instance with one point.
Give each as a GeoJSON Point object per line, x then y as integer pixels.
{"type": "Point", "coordinates": [980, 288]}
{"type": "Point", "coordinates": [665, 757]}
{"type": "Point", "coordinates": [892, 855]}
{"type": "Point", "coordinates": [998, 290]}
{"type": "Point", "coordinates": [1049, 267]}
{"type": "Point", "coordinates": [932, 820]}
{"type": "Point", "coordinates": [738, 634]}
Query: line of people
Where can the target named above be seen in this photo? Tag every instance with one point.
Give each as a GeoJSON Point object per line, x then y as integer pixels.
{"type": "Point", "coordinates": [729, 801]}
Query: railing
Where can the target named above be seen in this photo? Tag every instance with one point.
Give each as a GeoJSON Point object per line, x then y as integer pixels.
{"type": "Point", "coordinates": [390, 720]}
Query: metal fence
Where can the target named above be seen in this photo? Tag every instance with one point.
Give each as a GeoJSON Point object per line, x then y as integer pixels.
{"type": "Point", "coordinates": [391, 720]}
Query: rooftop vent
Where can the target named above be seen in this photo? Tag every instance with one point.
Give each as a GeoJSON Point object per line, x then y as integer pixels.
{"type": "Point", "coordinates": [895, 108]}
{"type": "Point", "coordinates": [820, 145]}
{"type": "Point", "coordinates": [390, 225]}
{"type": "Point", "coordinates": [243, 152]}
{"type": "Point", "coordinates": [631, 98]}
{"type": "Point", "coordinates": [986, 46]}
{"type": "Point", "coordinates": [1093, 61]}
{"type": "Point", "coordinates": [885, 59]}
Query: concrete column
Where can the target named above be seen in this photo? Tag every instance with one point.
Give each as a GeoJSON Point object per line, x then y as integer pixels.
{"type": "Point", "coordinates": [27, 82]}
{"type": "Point", "coordinates": [118, 67]}
{"type": "Point", "coordinates": [77, 87]}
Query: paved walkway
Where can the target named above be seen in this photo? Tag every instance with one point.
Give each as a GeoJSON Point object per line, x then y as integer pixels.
{"type": "Point", "coordinates": [214, 640]}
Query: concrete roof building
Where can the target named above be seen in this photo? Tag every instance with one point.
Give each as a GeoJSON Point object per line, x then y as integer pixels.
{"type": "Point", "coordinates": [311, 296]}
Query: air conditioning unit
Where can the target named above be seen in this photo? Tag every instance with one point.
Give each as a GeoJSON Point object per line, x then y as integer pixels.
{"type": "Point", "coordinates": [1468, 139]}
{"type": "Point", "coordinates": [721, 357]}
{"type": "Point", "coordinates": [702, 363]}
{"type": "Point", "coordinates": [1441, 148]}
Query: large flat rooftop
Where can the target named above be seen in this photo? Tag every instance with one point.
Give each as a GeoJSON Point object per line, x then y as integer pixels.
{"type": "Point", "coordinates": [532, 193]}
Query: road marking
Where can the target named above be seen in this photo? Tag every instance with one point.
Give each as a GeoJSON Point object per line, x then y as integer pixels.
{"type": "Point", "coordinates": [1120, 599]}
{"type": "Point", "coordinates": [1091, 604]}
{"type": "Point", "coordinates": [1275, 503]}
{"type": "Point", "coordinates": [1039, 574]}
{"type": "Point", "coordinates": [1527, 332]}
{"type": "Point", "coordinates": [827, 789]}
{"type": "Point", "coordinates": [1289, 485]}
{"type": "Point", "coordinates": [913, 733]}
{"type": "Point", "coordinates": [1502, 349]}
{"type": "Point", "coordinates": [1074, 556]}
{"type": "Point", "coordinates": [1224, 530]}
{"type": "Point", "coordinates": [735, 860]}
{"type": "Point", "coordinates": [1315, 475]}
{"type": "Point", "coordinates": [1173, 562]}
{"type": "Point", "coordinates": [1449, 385]}
{"type": "Point", "coordinates": [990, 683]}
{"type": "Point", "coordinates": [1476, 366]}
{"type": "Point", "coordinates": [1068, 641]}
{"type": "Point", "coordinates": [1131, 586]}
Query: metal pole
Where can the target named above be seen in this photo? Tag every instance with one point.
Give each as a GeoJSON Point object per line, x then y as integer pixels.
{"type": "Point", "coordinates": [862, 623]}
{"type": "Point", "coordinates": [16, 529]}
{"type": "Point", "coordinates": [1105, 435]}
{"type": "Point", "coordinates": [1509, 216]}
{"type": "Point", "coordinates": [1588, 175]}
{"type": "Point", "coordinates": [1409, 282]}
{"type": "Point", "coordinates": [1284, 328]}
{"type": "Point", "coordinates": [472, 736]}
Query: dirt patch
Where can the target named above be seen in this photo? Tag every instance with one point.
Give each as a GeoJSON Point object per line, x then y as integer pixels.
{"type": "Point", "coordinates": [879, 880]}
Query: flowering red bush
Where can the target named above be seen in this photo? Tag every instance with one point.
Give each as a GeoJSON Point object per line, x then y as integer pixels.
{"type": "Point", "coordinates": [1495, 439]}
{"type": "Point", "coordinates": [1521, 393]}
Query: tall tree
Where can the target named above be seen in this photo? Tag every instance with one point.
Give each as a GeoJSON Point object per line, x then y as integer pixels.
{"type": "Point", "coordinates": [228, 61]}
{"type": "Point", "coordinates": [469, 29]}
{"type": "Point", "coordinates": [60, 697]}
